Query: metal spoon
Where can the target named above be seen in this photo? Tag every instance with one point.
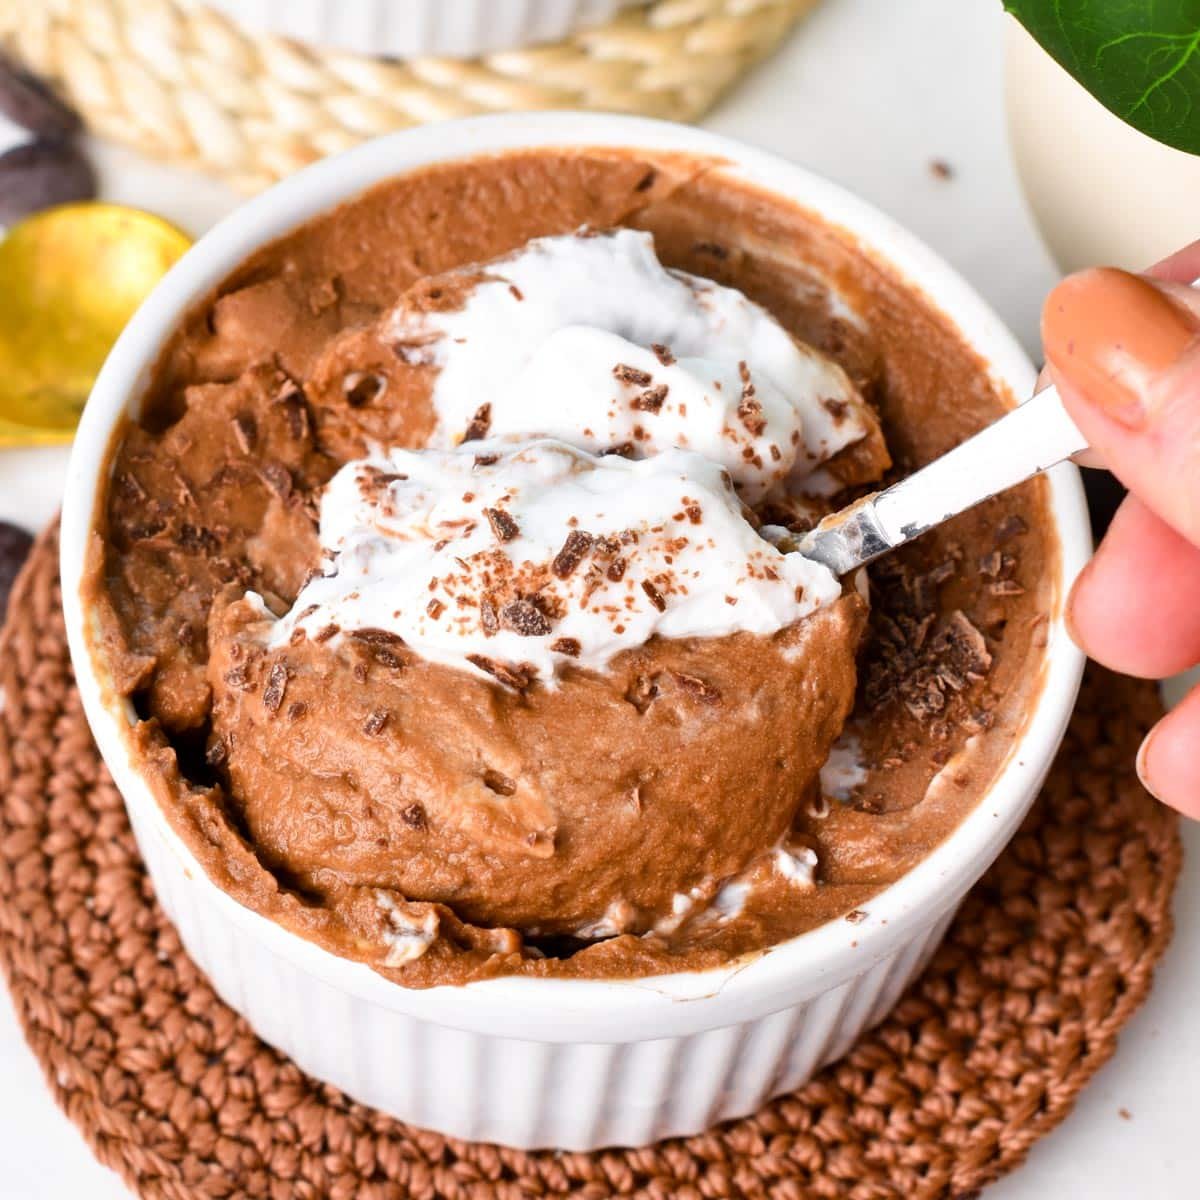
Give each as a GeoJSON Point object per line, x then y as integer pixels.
{"type": "Point", "coordinates": [1030, 439]}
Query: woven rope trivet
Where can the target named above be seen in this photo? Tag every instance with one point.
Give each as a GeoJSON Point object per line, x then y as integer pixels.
{"type": "Point", "coordinates": [183, 83]}
{"type": "Point", "coordinates": [1049, 956]}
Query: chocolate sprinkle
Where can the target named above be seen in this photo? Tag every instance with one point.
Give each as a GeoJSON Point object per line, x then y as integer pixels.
{"type": "Point", "coordinates": [663, 354]}
{"type": "Point", "coordinates": [567, 645]}
{"type": "Point", "coordinates": [573, 552]}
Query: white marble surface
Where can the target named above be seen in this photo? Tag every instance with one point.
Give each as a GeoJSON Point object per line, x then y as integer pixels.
{"type": "Point", "coordinates": [868, 93]}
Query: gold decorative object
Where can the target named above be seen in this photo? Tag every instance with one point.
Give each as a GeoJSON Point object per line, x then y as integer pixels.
{"type": "Point", "coordinates": [70, 279]}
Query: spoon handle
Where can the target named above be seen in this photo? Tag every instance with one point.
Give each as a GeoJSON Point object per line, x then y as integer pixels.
{"type": "Point", "coordinates": [1028, 440]}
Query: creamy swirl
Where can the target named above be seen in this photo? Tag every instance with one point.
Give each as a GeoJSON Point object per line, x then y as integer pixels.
{"type": "Point", "coordinates": [513, 558]}
{"type": "Point", "coordinates": [588, 338]}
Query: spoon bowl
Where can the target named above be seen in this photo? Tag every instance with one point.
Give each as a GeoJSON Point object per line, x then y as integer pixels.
{"type": "Point", "coordinates": [70, 279]}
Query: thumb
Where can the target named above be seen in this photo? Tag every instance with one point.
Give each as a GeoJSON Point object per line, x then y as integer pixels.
{"type": "Point", "coordinates": [1125, 353]}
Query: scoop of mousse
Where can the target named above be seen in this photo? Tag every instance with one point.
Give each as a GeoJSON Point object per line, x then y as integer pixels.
{"type": "Point", "coordinates": [656, 358]}
{"type": "Point", "coordinates": [533, 689]}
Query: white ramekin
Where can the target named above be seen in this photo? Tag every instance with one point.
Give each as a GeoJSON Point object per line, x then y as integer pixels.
{"type": "Point", "coordinates": [571, 1063]}
{"type": "Point", "coordinates": [413, 28]}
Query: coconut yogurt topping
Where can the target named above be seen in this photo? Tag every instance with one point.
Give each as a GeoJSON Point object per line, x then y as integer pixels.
{"type": "Point", "coordinates": [588, 338]}
{"type": "Point", "coordinates": [510, 559]}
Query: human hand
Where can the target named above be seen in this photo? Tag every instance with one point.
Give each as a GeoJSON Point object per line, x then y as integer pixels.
{"type": "Point", "coordinates": [1124, 351]}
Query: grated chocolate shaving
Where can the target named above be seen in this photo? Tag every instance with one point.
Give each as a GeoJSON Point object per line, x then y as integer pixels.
{"type": "Point", "coordinates": [376, 637]}
{"type": "Point", "coordinates": [503, 524]}
{"type": "Point", "coordinates": [414, 817]}
{"type": "Point", "coordinates": [295, 412]}
{"type": "Point", "coordinates": [573, 552]}
{"type": "Point", "coordinates": [663, 354]}
{"type": "Point", "coordinates": [837, 409]}
{"type": "Point", "coordinates": [296, 710]}
{"type": "Point", "coordinates": [651, 400]}
{"type": "Point", "coordinates": [361, 389]}
{"type": "Point", "coordinates": [567, 645]}
{"type": "Point", "coordinates": [1012, 526]}
{"type": "Point", "coordinates": [435, 608]}
{"type": "Point", "coordinates": [656, 597]}
{"type": "Point", "coordinates": [697, 688]}
{"type": "Point", "coordinates": [245, 431]}
{"type": "Point", "coordinates": [481, 422]}
{"type": "Point", "coordinates": [277, 680]}
{"type": "Point", "coordinates": [375, 722]}
{"type": "Point", "coordinates": [237, 677]}
{"type": "Point", "coordinates": [642, 692]}
{"type": "Point", "coordinates": [516, 676]}
{"type": "Point", "coordinates": [499, 783]}
{"type": "Point", "coordinates": [633, 376]}
{"type": "Point", "coordinates": [489, 618]}
{"type": "Point", "coordinates": [525, 618]}
{"type": "Point", "coordinates": [323, 635]}
{"type": "Point", "coordinates": [918, 657]}
{"type": "Point", "coordinates": [750, 410]}
{"type": "Point", "coordinates": [277, 477]}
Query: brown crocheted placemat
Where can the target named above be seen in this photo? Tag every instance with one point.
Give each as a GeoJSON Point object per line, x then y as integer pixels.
{"type": "Point", "coordinates": [184, 83]}
{"type": "Point", "coordinates": [1049, 956]}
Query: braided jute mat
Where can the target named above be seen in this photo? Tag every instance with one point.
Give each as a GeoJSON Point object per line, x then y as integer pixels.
{"type": "Point", "coordinates": [1048, 958]}
{"type": "Point", "coordinates": [183, 83]}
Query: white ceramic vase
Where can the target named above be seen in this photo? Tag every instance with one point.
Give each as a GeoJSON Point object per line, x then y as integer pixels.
{"type": "Point", "coordinates": [1100, 191]}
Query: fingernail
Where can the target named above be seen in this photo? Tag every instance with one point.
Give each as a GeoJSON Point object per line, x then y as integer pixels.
{"type": "Point", "coordinates": [1143, 768]}
{"type": "Point", "coordinates": [1110, 334]}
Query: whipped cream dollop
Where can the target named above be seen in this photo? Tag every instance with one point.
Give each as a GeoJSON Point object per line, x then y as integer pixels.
{"type": "Point", "coordinates": [512, 558]}
{"type": "Point", "coordinates": [588, 338]}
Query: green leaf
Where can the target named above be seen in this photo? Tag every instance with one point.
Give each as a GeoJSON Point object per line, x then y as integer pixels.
{"type": "Point", "coordinates": [1139, 58]}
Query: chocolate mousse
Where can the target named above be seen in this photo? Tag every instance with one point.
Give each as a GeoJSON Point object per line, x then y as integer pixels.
{"type": "Point", "coordinates": [444, 569]}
